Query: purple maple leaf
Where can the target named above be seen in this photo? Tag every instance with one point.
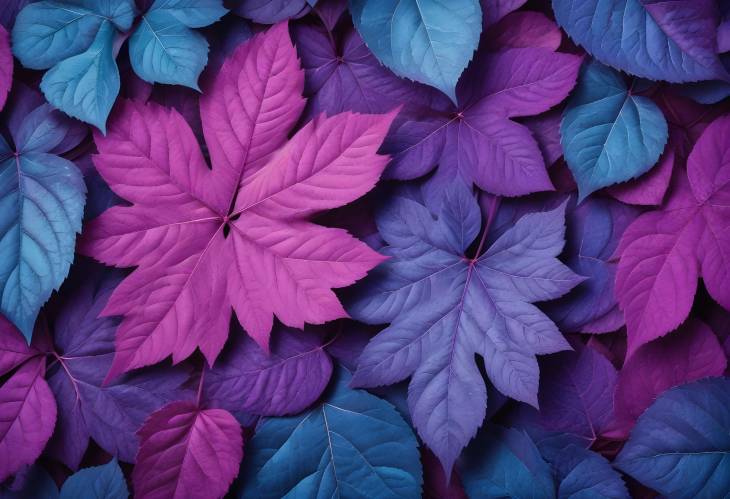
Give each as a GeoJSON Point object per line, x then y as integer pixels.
{"type": "Point", "coordinates": [444, 307]}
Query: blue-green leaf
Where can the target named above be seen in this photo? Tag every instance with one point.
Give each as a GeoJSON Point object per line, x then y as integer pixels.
{"type": "Point", "coordinates": [608, 134]}
{"type": "Point", "coordinates": [97, 482]}
{"type": "Point", "coordinates": [45, 33]}
{"type": "Point", "coordinates": [351, 445]}
{"type": "Point", "coordinates": [163, 50]}
{"type": "Point", "coordinates": [430, 41]}
{"type": "Point", "coordinates": [41, 205]}
{"type": "Point", "coordinates": [85, 86]}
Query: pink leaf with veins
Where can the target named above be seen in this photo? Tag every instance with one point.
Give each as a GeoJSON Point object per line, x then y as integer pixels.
{"type": "Point", "coordinates": [689, 354]}
{"type": "Point", "coordinates": [27, 417]}
{"type": "Point", "coordinates": [6, 66]}
{"type": "Point", "coordinates": [237, 236]}
{"type": "Point", "coordinates": [664, 252]}
{"type": "Point", "coordinates": [187, 452]}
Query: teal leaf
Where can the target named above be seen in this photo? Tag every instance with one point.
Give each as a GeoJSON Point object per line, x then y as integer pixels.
{"type": "Point", "coordinates": [609, 135]}
{"type": "Point", "coordinates": [41, 205]}
{"type": "Point", "coordinates": [163, 50]}
{"type": "Point", "coordinates": [85, 86]}
{"type": "Point", "coordinates": [192, 13]}
{"type": "Point", "coordinates": [45, 33]}
{"type": "Point", "coordinates": [680, 446]}
{"type": "Point", "coordinates": [430, 41]}
{"type": "Point", "coordinates": [97, 482]}
{"type": "Point", "coordinates": [352, 445]}
{"type": "Point", "coordinates": [119, 12]}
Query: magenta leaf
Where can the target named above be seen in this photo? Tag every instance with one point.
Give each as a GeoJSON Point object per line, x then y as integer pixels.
{"type": "Point", "coordinates": [14, 350]}
{"type": "Point", "coordinates": [664, 252]}
{"type": "Point", "coordinates": [187, 452]}
{"type": "Point", "coordinates": [238, 234]}
{"type": "Point", "coordinates": [445, 307]}
{"type": "Point", "coordinates": [6, 66]}
{"type": "Point", "coordinates": [286, 381]}
{"type": "Point", "coordinates": [691, 353]}
{"type": "Point", "coordinates": [27, 417]}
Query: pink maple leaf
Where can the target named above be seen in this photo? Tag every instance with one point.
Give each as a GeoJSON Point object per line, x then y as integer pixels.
{"type": "Point", "coordinates": [236, 236]}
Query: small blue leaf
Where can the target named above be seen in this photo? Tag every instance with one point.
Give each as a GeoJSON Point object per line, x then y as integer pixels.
{"type": "Point", "coordinates": [97, 482]}
{"type": "Point", "coordinates": [680, 446]}
{"type": "Point", "coordinates": [192, 13]}
{"type": "Point", "coordinates": [120, 12]}
{"type": "Point", "coordinates": [430, 41]}
{"type": "Point", "coordinates": [45, 33]}
{"type": "Point", "coordinates": [608, 135]}
{"type": "Point", "coordinates": [85, 86]}
{"type": "Point", "coordinates": [352, 445]}
{"type": "Point", "coordinates": [163, 50]}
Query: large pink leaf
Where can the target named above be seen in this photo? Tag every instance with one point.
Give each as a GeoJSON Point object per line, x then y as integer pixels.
{"type": "Point", "coordinates": [27, 417]}
{"type": "Point", "coordinates": [691, 353]}
{"type": "Point", "coordinates": [187, 452]}
{"type": "Point", "coordinates": [664, 252]}
{"type": "Point", "coordinates": [236, 236]}
{"type": "Point", "coordinates": [6, 66]}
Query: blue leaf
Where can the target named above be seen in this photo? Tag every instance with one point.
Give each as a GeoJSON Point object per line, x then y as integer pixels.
{"type": "Point", "coordinates": [85, 86]}
{"type": "Point", "coordinates": [506, 463]}
{"type": "Point", "coordinates": [191, 13]}
{"type": "Point", "coordinates": [609, 135]}
{"type": "Point", "coordinates": [430, 41]}
{"type": "Point", "coordinates": [163, 50]}
{"type": "Point", "coordinates": [680, 446]}
{"type": "Point", "coordinates": [120, 12]}
{"type": "Point", "coordinates": [656, 39]}
{"type": "Point", "coordinates": [45, 33]}
{"type": "Point", "coordinates": [33, 483]}
{"type": "Point", "coordinates": [41, 205]}
{"type": "Point", "coordinates": [105, 481]}
{"type": "Point", "coordinates": [583, 474]}
{"type": "Point", "coordinates": [352, 445]}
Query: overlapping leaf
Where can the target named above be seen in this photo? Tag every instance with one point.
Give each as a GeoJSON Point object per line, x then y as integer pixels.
{"type": "Point", "coordinates": [680, 445]}
{"type": "Point", "coordinates": [657, 39]}
{"type": "Point", "coordinates": [351, 445]}
{"type": "Point", "coordinates": [477, 138]}
{"type": "Point", "coordinates": [41, 205]}
{"type": "Point", "coordinates": [109, 413]}
{"type": "Point", "coordinates": [609, 135]}
{"type": "Point", "coordinates": [445, 307]}
{"type": "Point", "coordinates": [424, 40]}
{"type": "Point", "coordinates": [75, 42]}
{"type": "Point", "coordinates": [187, 452]}
{"type": "Point", "coordinates": [664, 252]}
{"type": "Point", "coordinates": [237, 236]}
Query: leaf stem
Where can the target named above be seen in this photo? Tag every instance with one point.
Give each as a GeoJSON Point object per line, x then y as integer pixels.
{"type": "Point", "coordinates": [491, 213]}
